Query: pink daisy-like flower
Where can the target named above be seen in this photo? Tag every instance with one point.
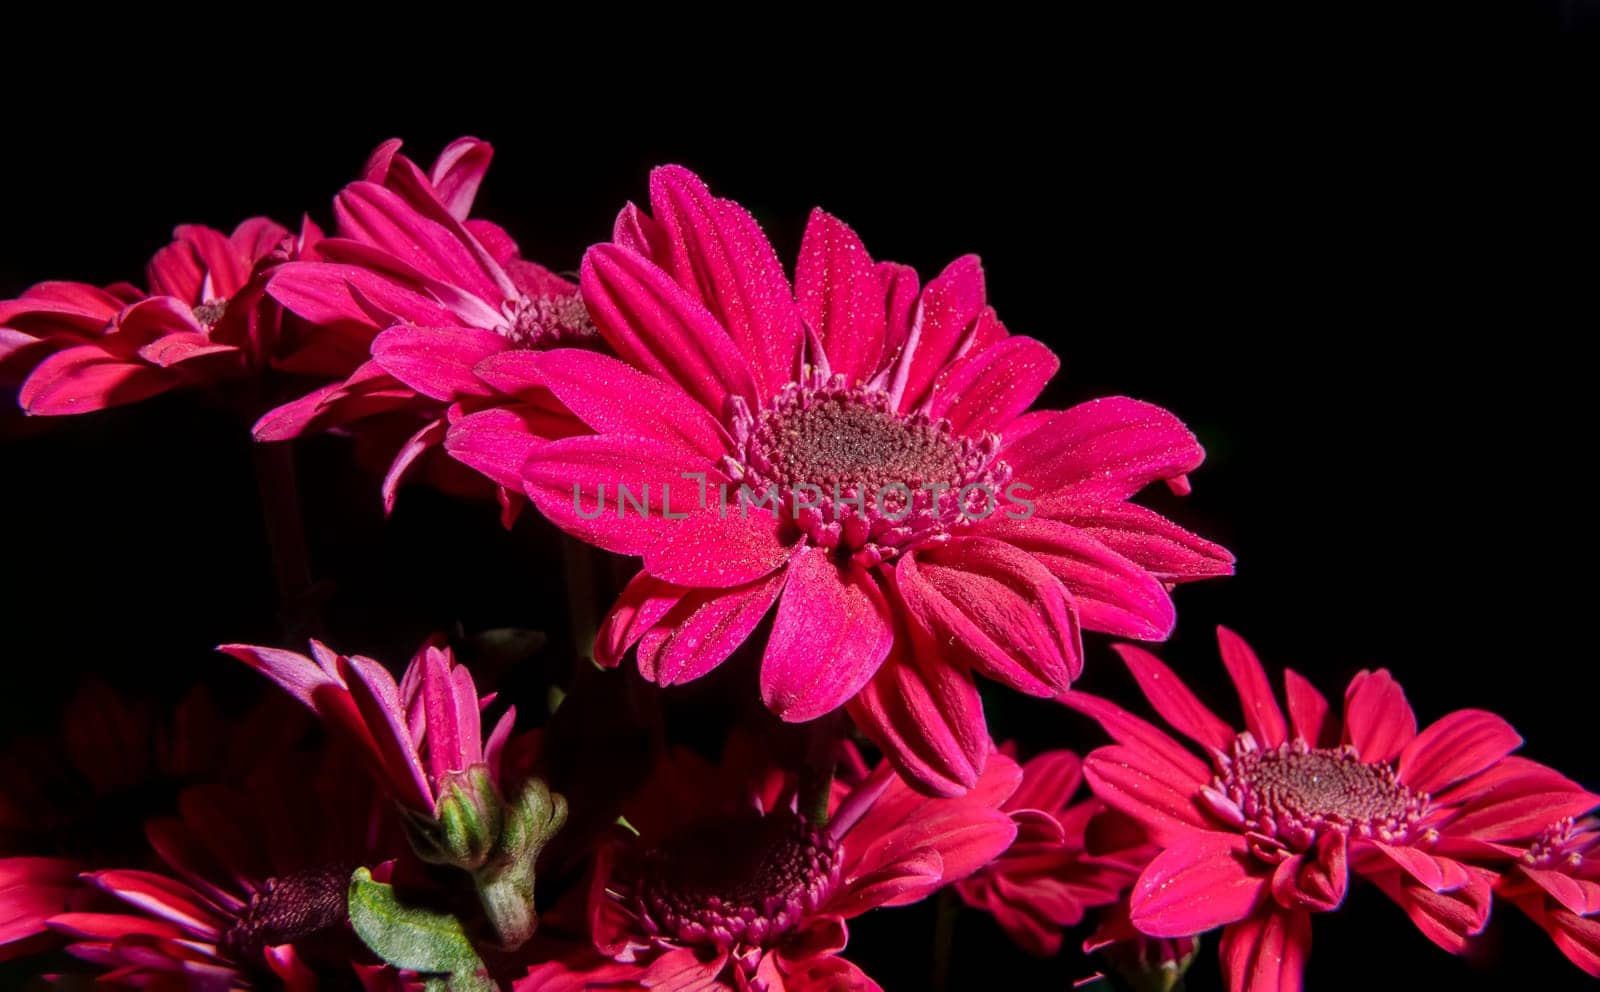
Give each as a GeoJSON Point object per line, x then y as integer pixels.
{"type": "Point", "coordinates": [1555, 879]}
{"type": "Point", "coordinates": [944, 530]}
{"type": "Point", "coordinates": [433, 294]}
{"type": "Point", "coordinates": [77, 348]}
{"type": "Point", "coordinates": [1267, 828]}
{"type": "Point", "coordinates": [1047, 879]}
{"type": "Point", "coordinates": [254, 889]}
{"type": "Point", "coordinates": [726, 886]}
{"type": "Point", "coordinates": [416, 735]}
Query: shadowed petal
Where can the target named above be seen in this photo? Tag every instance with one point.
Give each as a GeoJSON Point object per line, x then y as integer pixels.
{"type": "Point", "coordinates": [831, 634]}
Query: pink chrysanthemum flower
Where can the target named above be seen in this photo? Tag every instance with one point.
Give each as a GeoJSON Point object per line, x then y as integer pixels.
{"type": "Point", "coordinates": [1266, 829]}
{"type": "Point", "coordinates": [76, 348]}
{"type": "Point", "coordinates": [433, 293]}
{"type": "Point", "coordinates": [1555, 879]}
{"type": "Point", "coordinates": [727, 886]}
{"type": "Point", "coordinates": [955, 533]}
{"type": "Point", "coordinates": [254, 890]}
{"type": "Point", "coordinates": [1047, 879]}
{"type": "Point", "coordinates": [31, 891]}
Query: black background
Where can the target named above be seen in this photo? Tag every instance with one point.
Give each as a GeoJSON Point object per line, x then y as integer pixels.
{"type": "Point", "coordinates": [1370, 293]}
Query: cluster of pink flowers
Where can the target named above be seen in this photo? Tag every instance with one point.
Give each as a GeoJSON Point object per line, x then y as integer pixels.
{"type": "Point", "coordinates": [836, 482]}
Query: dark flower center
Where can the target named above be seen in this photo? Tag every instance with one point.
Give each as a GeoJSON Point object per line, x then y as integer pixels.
{"type": "Point", "coordinates": [1294, 793]}
{"type": "Point", "coordinates": [549, 322]}
{"type": "Point", "coordinates": [742, 881]}
{"type": "Point", "coordinates": [289, 908]}
{"type": "Point", "coordinates": [856, 474]}
{"type": "Point", "coordinates": [210, 312]}
{"type": "Point", "coordinates": [1560, 847]}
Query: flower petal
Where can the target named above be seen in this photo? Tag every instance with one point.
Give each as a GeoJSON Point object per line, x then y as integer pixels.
{"type": "Point", "coordinates": [831, 633]}
{"type": "Point", "coordinates": [1454, 747]}
{"type": "Point", "coordinates": [1197, 883]}
{"type": "Point", "coordinates": [944, 314]}
{"type": "Point", "coordinates": [1173, 700]}
{"type": "Point", "coordinates": [643, 603]}
{"type": "Point", "coordinates": [927, 717]}
{"type": "Point", "coordinates": [1308, 709]}
{"type": "Point", "coordinates": [85, 379]}
{"type": "Point", "coordinates": [1143, 787]}
{"type": "Point", "coordinates": [1151, 541]}
{"type": "Point", "coordinates": [437, 361]}
{"type": "Point", "coordinates": [712, 549]}
{"type": "Point", "coordinates": [569, 481]}
{"type": "Point", "coordinates": [1101, 451]}
{"type": "Point", "coordinates": [986, 391]}
{"type": "Point", "coordinates": [704, 629]}
{"type": "Point", "coordinates": [838, 292]}
{"type": "Point", "coordinates": [1262, 716]}
{"type": "Point", "coordinates": [1266, 952]}
{"type": "Point", "coordinates": [1377, 718]}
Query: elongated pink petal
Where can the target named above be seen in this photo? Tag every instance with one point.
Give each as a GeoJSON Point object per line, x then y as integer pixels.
{"type": "Point", "coordinates": [831, 633]}
{"type": "Point", "coordinates": [1454, 747]}
{"type": "Point", "coordinates": [1446, 918]}
{"type": "Point", "coordinates": [378, 698]}
{"type": "Point", "coordinates": [428, 437]}
{"type": "Point", "coordinates": [1142, 786]}
{"type": "Point", "coordinates": [1125, 728]}
{"type": "Point", "coordinates": [840, 296]}
{"type": "Point", "coordinates": [1101, 451]}
{"type": "Point", "coordinates": [578, 483]}
{"type": "Point", "coordinates": [161, 897]}
{"type": "Point", "coordinates": [1578, 937]}
{"type": "Point", "coordinates": [988, 390]}
{"type": "Point", "coordinates": [944, 314]}
{"type": "Point", "coordinates": [1308, 709]}
{"type": "Point", "coordinates": [457, 173]}
{"type": "Point", "coordinates": [1580, 896]}
{"type": "Point", "coordinates": [914, 876]}
{"type": "Point", "coordinates": [1514, 798]}
{"type": "Point", "coordinates": [85, 379]}
{"type": "Point", "coordinates": [641, 605]}
{"type": "Point", "coordinates": [1262, 716]}
{"type": "Point", "coordinates": [1197, 883]}
{"type": "Point", "coordinates": [655, 325]}
{"type": "Point", "coordinates": [683, 970]}
{"type": "Point", "coordinates": [437, 361]}
{"type": "Point", "coordinates": [614, 398]}
{"type": "Point", "coordinates": [710, 549]}
{"type": "Point", "coordinates": [294, 673]}
{"type": "Point", "coordinates": [705, 628]}
{"type": "Point", "coordinates": [718, 253]}
{"type": "Point", "coordinates": [1049, 781]}
{"type": "Point", "coordinates": [927, 717]}
{"type": "Point", "coordinates": [1377, 718]}
{"type": "Point", "coordinates": [1150, 541]}
{"type": "Point", "coordinates": [428, 241]}
{"type": "Point", "coordinates": [1173, 700]}
{"type": "Point", "coordinates": [1315, 880]}
{"type": "Point", "coordinates": [1110, 593]}
{"type": "Point", "coordinates": [991, 606]}
{"type": "Point", "coordinates": [1266, 952]}
{"type": "Point", "coordinates": [444, 734]}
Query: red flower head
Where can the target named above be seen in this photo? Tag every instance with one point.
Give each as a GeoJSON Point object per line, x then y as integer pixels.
{"type": "Point", "coordinates": [853, 456]}
{"type": "Point", "coordinates": [78, 348]}
{"type": "Point", "coordinates": [1555, 879]}
{"type": "Point", "coordinates": [1266, 829]}
{"type": "Point", "coordinates": [254, 888]}
{"type": "Point", "coordinates": [431, 294]}
{"type": "Point", "coordinates": [726, 886]}
{"type": "Point", "coordinates": [1047, 879]}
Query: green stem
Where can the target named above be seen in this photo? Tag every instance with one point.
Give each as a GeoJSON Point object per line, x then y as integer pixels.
{"type": "Point", "coordinates": [816, 774]}
{"type": "Point", "coordinates": [944, 937]}
{"type": "Point", "coordinates": [577, 566]}
{"type": "Point", "coordinates": [286, 539]}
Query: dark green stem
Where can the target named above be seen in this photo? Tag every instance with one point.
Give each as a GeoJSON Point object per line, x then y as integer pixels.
{"type": "Point", "coordinates": [944, 936]}
{"type": "Point", "coordinates": [286, 539]}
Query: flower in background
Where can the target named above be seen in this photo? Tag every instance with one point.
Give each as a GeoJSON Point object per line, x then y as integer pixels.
{"type": "Point", "coordinates": [1554, 877]}
{"type": "Point", "coordinates": [253, 887]}
{"type": "Point", "coordinates": [424, 740]}
{"type": "Point", "coordinates": [725, 885]}
{"type": "Point", "coordinates": [1267, 828]}
{"type": "Point", "coordinates": [31, 891]}
{"type": "Point", "coordinates": [1047, 879]}
{"type": "Point", "coordinates": [206, 319]}
{"type": "Point", "coordinates": [952, 531]}
{"type": "Point", "coordinates": [431, 293]}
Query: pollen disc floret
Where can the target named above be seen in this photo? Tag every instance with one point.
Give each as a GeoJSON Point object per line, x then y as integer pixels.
{"type": "Point", "coordinates": [744, 881]}
{"type": "Point", "coordinates": [1294, 793]}
{"type": "Point", "coordinates": [548, 321]}
{"type": "Point", "coordinates": [289, 908]}
{"type": "Point", "coordinates": [210, 312]}
{"type": "Point", "coordinates": [1559, 847]}
{"type": "Point", "coordinates": [856, 474]}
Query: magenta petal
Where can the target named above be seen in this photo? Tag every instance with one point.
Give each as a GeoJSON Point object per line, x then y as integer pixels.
{"type": "Point", "coordinates": [1101, 451]}
{"type": "Point", "coordinates": [949, 305]}
{"type": "Point", "coordinates": [683, 970]}
{"type": "Point", "coordinates": [578, 483]}
{"type": "Point", "coordinates": [419, 444]}
{"type": "Point", "coordinates": [160, 897]}
{"type": "Point", "coordinates": [443, 736]}
{"type": "Point", "coordinates": [295, 674]}
{"type": "Point", "coordinates": [496, 442]}
{"type": "Point", "coordinates": [1110, 593]}
{"type": "Point", "coordinates": [1454, 747]}
{"type": "Point", "coordinates": [655, 325]}
{"type": "Point", "coordinates": [1267, 952]}
{"type": "Point", "coordinates": [706, 628]}
{"type": "Point", "coordinates": [614, 398]}
{"type": "Point", "coordinates": [85, 379]}
{"type": "Point", "coordinates": [1437, 874]}
{"type": "Point", "coordinates": [1377, 718]}
{"type": "Point", "coordinates": [712, 550]}
{"type": "Point", "coordinates": [437, 361]}
{"type": "Point", "coordinates": [840, 296]}
{"type": "Point", "coordinates": [831, 633]}
{"type": "Point", "coordinates": [1580, 896]}
{"type": "Point", "coordinates": [717, 252]}
{"type": "Point", "coordinates": [1261, 713]}
{"type": "Point", "coordinates": [928, 720]}
{"type": "Point", "coordinates": [1173, 700]}
{"type": "Point", "coordinates": [1125, 728]}
{"type": "Point", "coordinates": [457, 173]}
{"type": "Point", "coordinates": [642, 604]}
{"type": "Point", "coordinates": [1198, 883]}
{"type": "Point", "coordinates": [1446, 918]}
{"type": "Point", "coordinates": [378, 698]}
{"type": "Point", "coordinates": [1151, 541]}
{"type": "Point", "coordinates": [997, 608]}
{"type": "Point", "coordinates": [1308, 709]}
{"type": "Point", "coordinates": [988, 390]}
{"type": "Point", "coordinates": [912, 877]}
{"type": "Point", "coordinates": [1514, 798]}
{"type": "Point", "coordinates": [1145, 788]}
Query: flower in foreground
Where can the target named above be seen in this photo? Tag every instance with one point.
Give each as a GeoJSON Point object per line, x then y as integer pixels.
{"type": "Point", "coordinates": [1267, 828]}
{"type": "Point", "coordinates": [726, 887]}
{"type": "Point", "coordinates": [206, 319]}
{"type": "Point", "coordinates": [430, 293]}
{"type": "Point", "coordinates": [253, 890]}
{"type": "Point", "coordinates": [424, 739]}
{"type": "Point", "coordinates": [1047, 879]}
{"type": "Point", "coordinates": [1554, 878]}
{"type": "Point", "coordinates": [918, 525]}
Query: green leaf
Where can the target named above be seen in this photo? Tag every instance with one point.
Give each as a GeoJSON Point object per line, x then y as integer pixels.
{"type": "Point", "coordinates": [415, 938]}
